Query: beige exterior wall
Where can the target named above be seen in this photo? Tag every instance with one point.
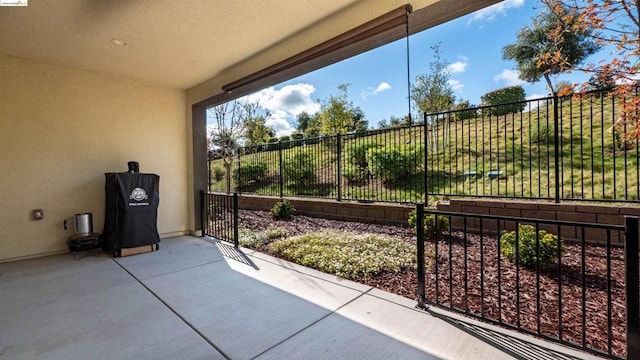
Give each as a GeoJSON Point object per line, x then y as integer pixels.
{"type": "Point", "coordinates": [61, 129]}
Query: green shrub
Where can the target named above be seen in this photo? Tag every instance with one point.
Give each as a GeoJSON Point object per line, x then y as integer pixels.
{"type": "Point", "coordinates": [297, 136]}
{"type": "Point", "coordinates": [250, 172]}
{"type": "Point", "coordinates": [464, 110]}
{"type": "Point", "coordinates": [505, 101]}
{"type": "Point", "coordinates": [391, 163]}
{"type": "Point", "coordinates": [541, 133]}
{"type": "Point", "coordinates": [348, 255]}
{"type": "Point", "coordinates": [548, 245]}
{"type": "Point", "coordinates": [251, 239]}
{"type": "Point", "coordinates": [356, 175]}
{"type": "Point", "coordinates": [622, 142]}
{"type": "Point", "coordinates": [283, 210]}
{"type": "Point", "coordinates": [431, 223]}
{"type": "Point", "coordinates": [218, 173]}
{"type": "Point", "coordinates": [275, 232]}
{"type": "Point", "coordinates": [273, 144]}
{"type": "Point", "coordinates": [300, 168]}
{"type": "Point", "coordinates": [357, 154]}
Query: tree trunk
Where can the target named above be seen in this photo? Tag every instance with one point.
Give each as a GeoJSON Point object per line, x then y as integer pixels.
{"type": "Point", "coordinates": [549, 84]}
{"type": "Point", "coordinates": [227, 166]}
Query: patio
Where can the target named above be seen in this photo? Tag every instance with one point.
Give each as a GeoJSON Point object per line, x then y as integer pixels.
{"type": "Point", "coordinates": [201, 299]}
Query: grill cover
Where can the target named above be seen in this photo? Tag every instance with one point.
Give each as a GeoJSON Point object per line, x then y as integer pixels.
{"type": "Point", "coordinates": [131, 214]}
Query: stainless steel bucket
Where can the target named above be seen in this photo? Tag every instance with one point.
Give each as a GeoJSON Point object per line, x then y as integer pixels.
{"type": "Point", "coordinates": [83, 224]}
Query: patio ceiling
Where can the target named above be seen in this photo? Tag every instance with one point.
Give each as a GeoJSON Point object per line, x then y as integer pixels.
{"type": "Point", "coordinates": [182, 44]}
{"type": "Point", "coordinates": [173, 43]}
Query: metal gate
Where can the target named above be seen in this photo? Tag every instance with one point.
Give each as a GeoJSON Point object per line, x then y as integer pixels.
{"type": "Point", "coordinates": [588, 289]}
{"type": "Point", "coordinates": [220, 216]}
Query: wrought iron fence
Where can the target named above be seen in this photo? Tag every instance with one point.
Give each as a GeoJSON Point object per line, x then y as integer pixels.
{"type": "Point", "coordinates": [220, 216]}
{"type": "Point", "coordinates": [585, 296]}
{"type": "Point", "coordinates": [564, 148]}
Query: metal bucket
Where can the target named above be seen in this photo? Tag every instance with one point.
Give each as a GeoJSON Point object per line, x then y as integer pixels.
{"type": "Point", "coordinates": [83, 223]}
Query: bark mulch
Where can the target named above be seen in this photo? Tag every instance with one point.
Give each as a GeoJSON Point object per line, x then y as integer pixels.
{"type": "Point", "coordinates": [494, 288]}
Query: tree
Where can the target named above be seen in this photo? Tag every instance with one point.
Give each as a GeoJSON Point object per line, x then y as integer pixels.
{"type": "Point", "coordinates": [256, 130]}
{"type": "Point", "coordinates": [464, 110]}
{"type": "Point", "coordinates": [432, 93]}
{"type": "Point", "coordinates": [304, 120]}
{"type": "Point", "coordinates": [534, 45]}
{"type": "Point", "coordinates": [228, 128]}
{"type": "Point", "coordinates": [505, 101]}
{"type": "Point", "coordinates": [608, 23]}
{"type": "Point", "coordinates": [339, 115]}
{"type": "Point", "coordinates": [393, 121]}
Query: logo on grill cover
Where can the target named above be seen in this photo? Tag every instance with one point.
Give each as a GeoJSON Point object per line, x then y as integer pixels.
{"type": "Point", "coordinates": [138, 194]}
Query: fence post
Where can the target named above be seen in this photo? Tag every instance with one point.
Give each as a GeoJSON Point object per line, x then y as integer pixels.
{"type": "Point", "coordinates": [236, 241]}
{"type": "Point", "coordinates": [203, 212]}
{"type": "Point", "coordinates": [280, 168]}
{"type": "Point", "coordinates": [556, 147]}
{"type": "Point", "coordinates": [632, 282]}
{"type": "Point", "coordinates": [426, 158]}
{"type": "Point", "coordinates": [239, 183]}
{"type": "Point", "coordinates": [339, 164]}
{"type": "Point", "coordinates": [420, 246]}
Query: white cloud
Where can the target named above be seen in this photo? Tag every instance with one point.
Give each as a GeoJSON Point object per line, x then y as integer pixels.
{"type": "Point", "coordinates": [291, 99]}
{"type": "Point", "coordinates": [383, 86]}
{"type": "Point", "coordinates": [537, 96]}
{"type": "Point", "coordinates": [457, 67]}
{"type": "Point", "coordinates": [456, 85]}
{"type": "Point", "coordinates": [285, 104]}
{"type": "Point", "coordinates": [278, 121]}
{"type": "Point", "coordinates": [492, 12]}
{"type": "Point", "coordinates": [508, 77]}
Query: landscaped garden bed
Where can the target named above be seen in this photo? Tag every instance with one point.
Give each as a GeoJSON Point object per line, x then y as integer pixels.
{"type": "Point", "coordinates": [481, 267]}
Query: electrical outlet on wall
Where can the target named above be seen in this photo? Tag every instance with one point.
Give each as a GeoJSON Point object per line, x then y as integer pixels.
{"type": "Point", "coordinates": [37, 214]}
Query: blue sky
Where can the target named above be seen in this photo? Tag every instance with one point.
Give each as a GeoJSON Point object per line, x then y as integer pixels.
{"type": "Point", "coordinates": [378, 79]}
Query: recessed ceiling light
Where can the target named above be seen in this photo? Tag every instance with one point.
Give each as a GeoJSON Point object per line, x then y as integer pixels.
{"type": "Point", "coordinates": [119, 41]}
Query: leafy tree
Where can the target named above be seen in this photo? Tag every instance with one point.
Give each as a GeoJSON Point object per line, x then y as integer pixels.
{"type": "Point", "coordinates": [228, 123]}
{"type": "Point", "coordinates": [505, 101]}
{"type": "Point", "coordinates": [313, 127]}
{"type": "Point", "coordinates": [431, 92]}
{"type": "Point", "coordinates": [339, 115]}
{"type": "Point", "coordinates": [601, 81]}
{"type": "Point", "coordinates": [615, 24]}
{"type": "Point", "coordinates": [535, 46]}
{"type": "Point", "coordinates": [393, 121]}
{"type": "Point", "coordinates": [464, 110]}
{"type": "Point", "coordinates": [304, 121]}
{"type": "Point", "coordinates": [256, 130]}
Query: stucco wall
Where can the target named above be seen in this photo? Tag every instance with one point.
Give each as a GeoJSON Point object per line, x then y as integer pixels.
{"type": "Point", "coordinates": [61, 129]}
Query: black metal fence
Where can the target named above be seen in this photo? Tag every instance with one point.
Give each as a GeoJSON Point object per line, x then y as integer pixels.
{"type": "Point", "coordinates": [585, 296]}
{"type": "Point", "coordinates": [565, 148]}
{"type": "Point", "coordinates": [220, 216]}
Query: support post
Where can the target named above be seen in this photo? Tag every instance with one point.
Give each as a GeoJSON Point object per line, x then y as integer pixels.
{"type": "Point", "coordinates": [203, 212]}
{"type": "Point", "coordinates": [426, 158]}
{"type": "Point", "coordinates": [280, 169]}
{"type": "Point", "coordinates": [420, 246]}
{"type": "Point", "coordinates": [632, 281]}
{"type": "Point", "coordinates": [236, 241]}
{"type": "Point", "coordinates": [556, 147]}
{"type": "Point", "coordinates": [339, 165]}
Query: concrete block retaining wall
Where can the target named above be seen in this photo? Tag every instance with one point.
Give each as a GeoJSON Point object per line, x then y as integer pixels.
{"type": "Point", "coordinates": [601, 214]}
{"type": "Point", "coordinates": [389, 214]}
{"type": "Point", "coordinates": [393, 214]}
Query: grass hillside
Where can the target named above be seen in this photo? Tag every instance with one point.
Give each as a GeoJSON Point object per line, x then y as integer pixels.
{"type": "Point", "coordinates": [510, 155]}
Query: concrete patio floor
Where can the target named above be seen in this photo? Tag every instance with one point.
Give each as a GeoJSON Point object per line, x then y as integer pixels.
{"type": "Point", "coordinates": [200, 299]}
